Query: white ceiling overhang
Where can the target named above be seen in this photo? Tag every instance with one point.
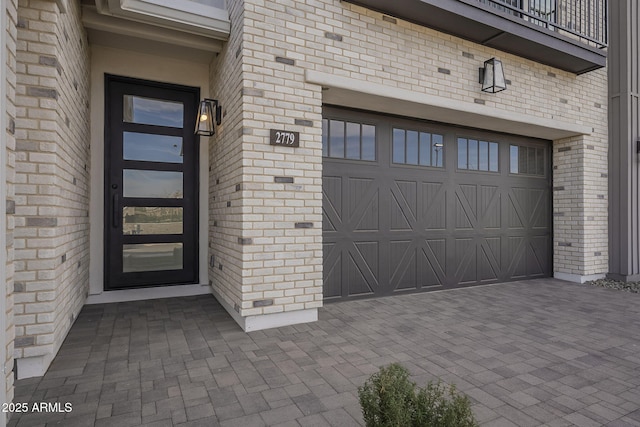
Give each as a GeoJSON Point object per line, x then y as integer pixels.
{"type": "Point", "coordinates": [208, 18]}
{"type": "Point", "coordinates": [155, 29]}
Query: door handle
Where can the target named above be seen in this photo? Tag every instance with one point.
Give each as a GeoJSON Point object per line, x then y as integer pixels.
{"type": "Point", "coordinates": [116, 210]}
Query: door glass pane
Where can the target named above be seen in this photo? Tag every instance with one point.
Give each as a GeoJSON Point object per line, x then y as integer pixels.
{"type": "Point", "coordinates": [325, 137]}
{"type": "Point", "coordinates": [155, 184]}
{"type": "Point", "coordinates": [437, 142]}
{"type": "Point", "coordinates": [151, 220]}
{"type": "Point", "coordinates": [522, 160]}
{"type": "Point", "coordinates": [398, 146]}
{"type": "Point", "coordinates": [493, 157]}
{"type": "Point", "coordinates": [353, 141]}
{"type": "Point", "coordinates": [368, 142]}
{"type": "Point", "coordinates": [152, 257]}
{"type": "Point", "coordinates": [483, 156]}
{"type": "Point", "coordinates": [473, 154]}
{"type": "Point", "coordinates": [336, 138]}
{"type": "Point", "coordinates": [513, 161]}
{"type": "Point", "coordinates": [531, 160]}
{"type": "Point", "coordinates": [462, 153]}
{"type": "Point", "coordinates": [148, 111]}
{"type": "Point", "coordinates": [425, 149]}
{"type": "Point", "coordinates": [412, 147]}
{"type": "Point", "coordinates": [152, 148]}
{"type": "Point", "coordinates": [539, 161]}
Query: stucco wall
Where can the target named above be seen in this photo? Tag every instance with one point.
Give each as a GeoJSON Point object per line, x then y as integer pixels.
{"type": "Point", "coordinates": [52, 179]}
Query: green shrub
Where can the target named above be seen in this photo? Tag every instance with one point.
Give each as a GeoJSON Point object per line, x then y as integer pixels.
{"type": "Point", "coordinates": [389, 399]}
{"type": "Point", "coordinates": [441, 405]}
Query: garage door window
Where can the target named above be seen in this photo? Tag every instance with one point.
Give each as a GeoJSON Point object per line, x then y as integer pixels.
{"type": "Point", "coordinates": [477, 155]}
{"type": "Point", "coordinates": [411, 147]}
{"type": "Point", "coordinates": [348, 140]}
{"type": "Point", "coordinates": [526, 160]}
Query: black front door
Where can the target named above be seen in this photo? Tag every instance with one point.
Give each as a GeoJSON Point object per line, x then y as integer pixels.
{"type": "Point", "coordinates": [151, 184]}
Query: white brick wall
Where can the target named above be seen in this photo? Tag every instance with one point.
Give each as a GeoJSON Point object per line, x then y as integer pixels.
{"type": "Point", "coordinates": [9, 157]}
{"type": "Point", "coordinates": [225, 160]}
{"type": "Point", "coordinates": [52, 176]}
{"type": "Point", "coordinates": [280, 268]}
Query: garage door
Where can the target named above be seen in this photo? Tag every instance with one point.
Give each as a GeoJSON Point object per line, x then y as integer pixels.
{"type": "Point", "coordinates": [411, 206]}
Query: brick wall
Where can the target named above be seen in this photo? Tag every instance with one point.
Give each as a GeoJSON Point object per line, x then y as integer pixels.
{"type": "Point", "coordinates": [225, 173]}
{"type": "Point", "coordinates": [281, 264]}
{"type": "Point", "coordinates": [261, 196]}
{"type": "Point", "coordinates": [72, 177]}
{"type": "Point", "coordinates": [9, 136]}
{"type": "Point", "coordinates": [52, 181]}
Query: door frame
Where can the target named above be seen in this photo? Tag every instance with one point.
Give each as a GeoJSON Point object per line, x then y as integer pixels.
{"type": "Point", "coordinates": [105, 60]}
{"type": "Point", "coordinates": [191, 182]}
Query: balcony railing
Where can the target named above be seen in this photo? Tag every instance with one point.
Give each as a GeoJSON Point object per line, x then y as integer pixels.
{"type": "Point", "coordinates": [567, 34]}
{"type": "Point", "coordinates": [585, 20]}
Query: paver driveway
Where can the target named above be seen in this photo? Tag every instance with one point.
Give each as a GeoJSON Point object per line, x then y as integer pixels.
{"type": "Point", "coordinates": [539, 352]}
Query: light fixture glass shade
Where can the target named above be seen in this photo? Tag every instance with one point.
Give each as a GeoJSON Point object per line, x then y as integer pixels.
{"type": "Point", "coordinates": [204, 122]}
{"type": "Point", "coordinates": [493, 76]}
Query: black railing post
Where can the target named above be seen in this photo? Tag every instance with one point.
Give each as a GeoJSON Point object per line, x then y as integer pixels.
{"type": "Point", "coordinates": [583, 19]}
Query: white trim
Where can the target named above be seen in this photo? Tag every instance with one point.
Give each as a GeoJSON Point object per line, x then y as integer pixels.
{"type": "Point", "coordinates": [276, 320]}
{"type": "Point", "coordinates": [34, 366]}
{"type": "Point", "coordinates": [576, 278]}
{"type": "Point", "coordinates": [267, 321]}
{"type": "Point", "coordinates": [354, 93]}
{"type": "Point", "coordinates": [3, 207]}
{"type": "Point", "coordinates": [148, 293]}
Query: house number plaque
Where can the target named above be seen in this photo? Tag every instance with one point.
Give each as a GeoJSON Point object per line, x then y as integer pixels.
{"type": "Point", "coordinates": [284, 138]}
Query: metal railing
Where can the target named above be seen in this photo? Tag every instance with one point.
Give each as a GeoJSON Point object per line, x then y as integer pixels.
{"type": "Point", "coordinates": [585, 20]}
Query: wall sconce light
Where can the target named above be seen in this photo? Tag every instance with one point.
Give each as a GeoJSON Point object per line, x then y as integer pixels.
{"type": "Point", "coordinates": [492, 76]}
{"type": "Point", "coordinates": [204, 122]}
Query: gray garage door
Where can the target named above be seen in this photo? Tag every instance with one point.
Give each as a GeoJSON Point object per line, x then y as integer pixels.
{"type": "Point", "coordinates": [411, 206]}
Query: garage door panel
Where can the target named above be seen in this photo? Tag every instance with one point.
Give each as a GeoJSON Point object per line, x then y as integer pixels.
{"type": "Point", "coordinates": [487, 266]}
{"type": "Point", "coordinates": [331, 202]}
{"type": "Point", "coordinates": [401, 215]}
{"type": "Point", "coordinates": [434, 206]}
{"type": "Point", "coordinates": [541, 219]}
{"type": "Point", "coordinates": [430, 272]}
{"type": "Point", "coordinates": [436, 253]}
{"type": "Point", "coordinates": [367, 215]}
{"type": "Point", "coordinates": [465, 256]}
{"type": "Point", "coordinates": [516, 261]}
{"type": "Point", "coordinates": [516, 218]}
{"type": "Point", "coordinates": [540, 255]}
{"type": "Point", "coordinates": [468, 194]}
{"type": "Point", "coordinates": [407, 191]}
{"type": "Point", "coordinates": [411, 225]}
{"type": "Point", "coordinates": [332, 271]}
{"type": "Point", "coordinates": [359, 283]}
{"type": "Point", "coordinates": [405, 274]}
{"type": "Point", "coordinates": [490, 207]}
{"type": "Point", "coordinates": [368, 254]}
{"type": "Point", "coordinates": [360, 190]}
{"type": "Point", "coordinates": [464, 216]}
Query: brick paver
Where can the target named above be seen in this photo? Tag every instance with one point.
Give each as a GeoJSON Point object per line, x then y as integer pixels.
{"type": "Point", "coordinates": [539, 352]}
